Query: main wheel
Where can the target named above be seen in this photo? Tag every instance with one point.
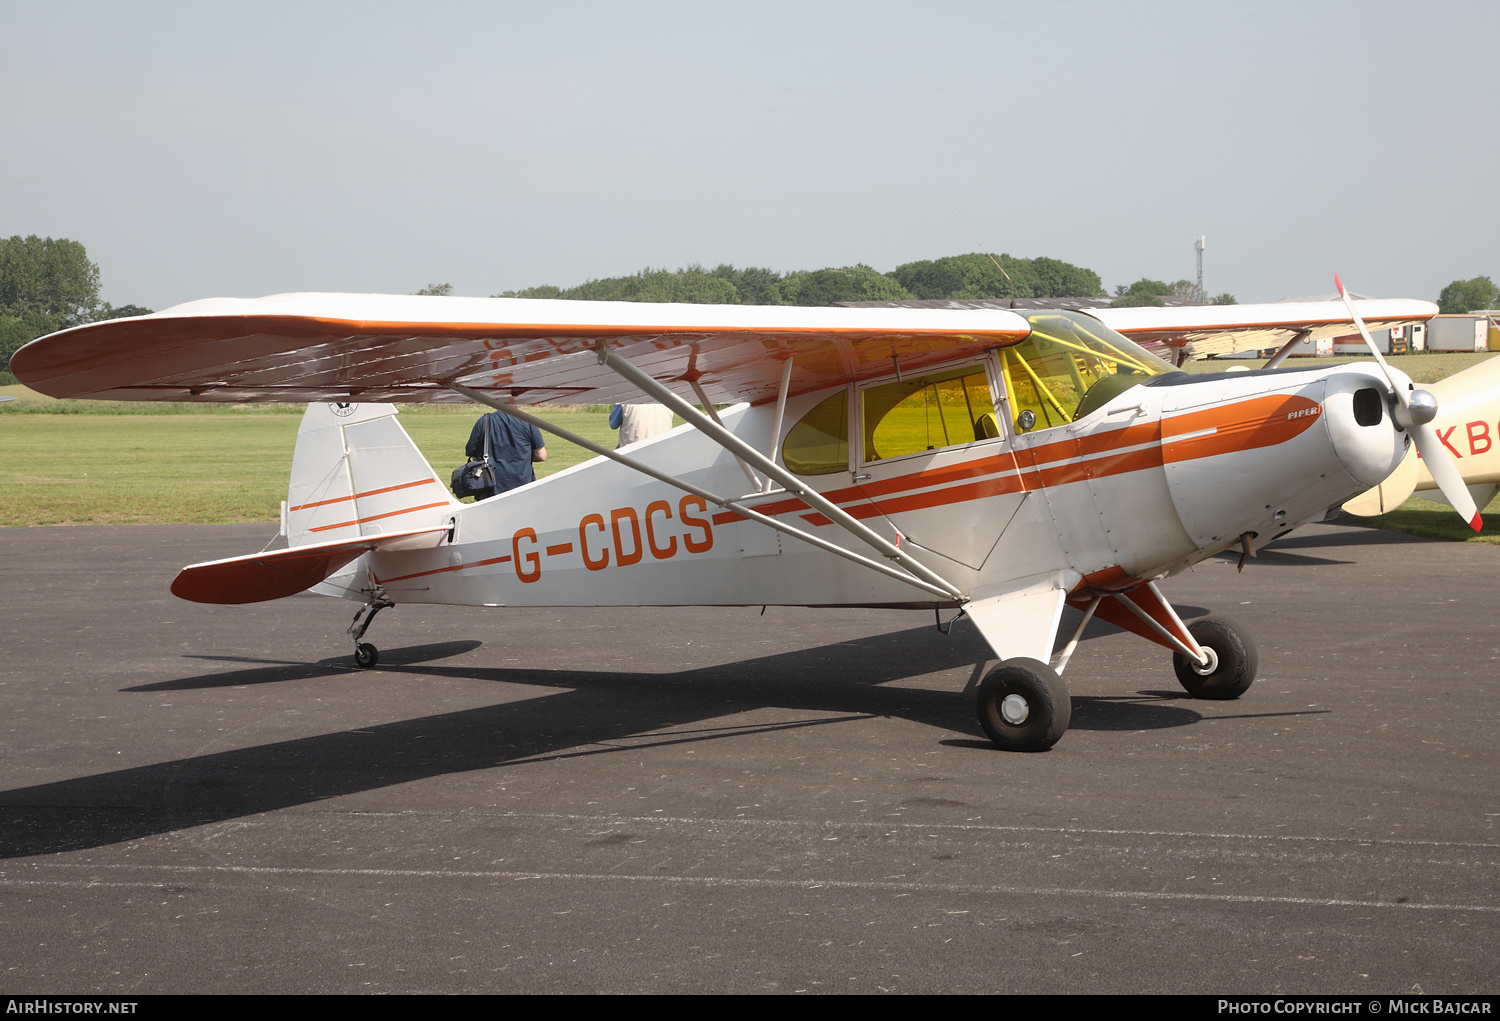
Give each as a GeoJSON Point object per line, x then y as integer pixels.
{"type": "Point", "coordinates": [1232, 661]}
{"type": "Point", "coordinates": [1024, 706]}
{"type": "Point", "coordinates": [366, 655]}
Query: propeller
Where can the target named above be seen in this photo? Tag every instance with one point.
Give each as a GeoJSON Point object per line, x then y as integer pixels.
{"type": "Point", "coordinates": [1414, 412]}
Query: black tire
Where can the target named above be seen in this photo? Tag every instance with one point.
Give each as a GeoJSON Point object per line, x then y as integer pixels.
{"type": "Point", "coordinates": [1040, 698]}
{"type": "Point", "coordinates": [1238, 660]}
{"type": "Point", "coordinates": [366, 655]}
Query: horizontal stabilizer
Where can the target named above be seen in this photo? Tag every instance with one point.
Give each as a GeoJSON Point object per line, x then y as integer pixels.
{"type": "Point", "coordinates": [285, 572]}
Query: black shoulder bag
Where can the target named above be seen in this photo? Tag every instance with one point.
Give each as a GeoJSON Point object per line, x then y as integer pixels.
{"type": "Point", "coordinates": [477, 476]}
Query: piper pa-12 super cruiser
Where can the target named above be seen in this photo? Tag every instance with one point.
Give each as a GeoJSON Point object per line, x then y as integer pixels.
{"type": "Point", "coordinates": [1003, 463]}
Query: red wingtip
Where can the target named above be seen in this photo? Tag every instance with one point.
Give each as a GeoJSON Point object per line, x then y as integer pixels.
{"type": "Point", "coordinates": [1477, 523]}
{"type": "Point", "coordinates": [1338, 283]}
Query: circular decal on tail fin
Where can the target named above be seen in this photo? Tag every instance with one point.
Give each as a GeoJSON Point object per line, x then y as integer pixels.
{"type": "Point", "coordinates": [342, 410]}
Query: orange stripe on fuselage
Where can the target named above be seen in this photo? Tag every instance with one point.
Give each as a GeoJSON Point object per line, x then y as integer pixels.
{"type": "Point", "coordinates": [444, 570]}
{"type": "Point", "coordinates": [1243, 425]}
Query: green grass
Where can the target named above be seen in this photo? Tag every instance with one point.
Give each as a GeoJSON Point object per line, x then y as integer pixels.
{"type": "Point", "coordinates": [1439, 521]}
{"type": "Point", "coordinates": [94, 469]}
{"type": "Point", "coordinates": [204, 466]}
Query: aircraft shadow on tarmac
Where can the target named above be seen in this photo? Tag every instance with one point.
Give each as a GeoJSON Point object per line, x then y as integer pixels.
{"type": "Point", "coordinates": [1281, 558]}
{"type": "Point", "coordinates": [1350, 535]}
{"type": "Point", "coordinates": [599, 713]}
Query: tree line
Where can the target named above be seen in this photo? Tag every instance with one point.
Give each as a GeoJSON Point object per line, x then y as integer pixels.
{"type": "Point", "coordinates": [1151, 292]}
{"type": "Point", "coordinates": [1469, 296]}
{"type": "Point", "coordinates": [956, 276]}
{"type": "Point", "coordinates": [46, 285]}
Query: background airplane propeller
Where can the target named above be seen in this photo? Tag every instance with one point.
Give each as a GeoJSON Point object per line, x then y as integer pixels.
{"type": "Point", "coordinates": [1414, 412]}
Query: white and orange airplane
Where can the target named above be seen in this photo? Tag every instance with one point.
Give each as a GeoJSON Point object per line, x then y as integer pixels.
{"type": "Point", "coordinates": [1004, 463]}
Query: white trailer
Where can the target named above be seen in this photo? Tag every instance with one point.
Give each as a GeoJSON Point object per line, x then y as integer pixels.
{"type": "Point", "coordinates": [1457, 333]}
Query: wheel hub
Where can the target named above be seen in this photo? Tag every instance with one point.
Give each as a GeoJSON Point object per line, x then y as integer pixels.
{"type": "Point", "coordinates": [1207, 667]}
{"type": "Point", "coordinates": [1014, 710]}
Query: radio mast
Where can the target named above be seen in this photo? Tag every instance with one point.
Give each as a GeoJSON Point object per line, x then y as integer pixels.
{"type": "Point", "coordinates": [1198, 246]}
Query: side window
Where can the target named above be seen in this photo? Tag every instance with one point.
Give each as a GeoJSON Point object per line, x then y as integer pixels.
{"type": "Point", "coordinates": [819, 443]}
{"type": "Point", "coordinates": [945, 409]}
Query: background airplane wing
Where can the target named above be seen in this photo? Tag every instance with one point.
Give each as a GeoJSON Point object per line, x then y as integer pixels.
{"type": "Point", "coordinates": [404, 348]}
{"type": "Point", "coordinates": [1223, 329]}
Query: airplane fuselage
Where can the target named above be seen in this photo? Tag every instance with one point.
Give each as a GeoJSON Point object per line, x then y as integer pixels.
{"type": "Point", "coordinates": [1158, 478]}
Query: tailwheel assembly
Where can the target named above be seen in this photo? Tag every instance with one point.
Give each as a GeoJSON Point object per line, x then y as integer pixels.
{"type": "Point", "coordinates": [1024, 706]}
{"type": "Point", "coordinates": [365, 654]}
{"type": "Point", "coordinates": [1232, 660]}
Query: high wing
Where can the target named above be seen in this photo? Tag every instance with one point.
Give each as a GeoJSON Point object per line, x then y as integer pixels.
{"type": "Point", "coordinates": [405, 348]}
{"type": "Point", "coordinates": [1202, 330]}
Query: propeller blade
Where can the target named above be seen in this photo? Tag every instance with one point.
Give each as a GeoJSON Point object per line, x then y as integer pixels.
{"type": "Point", "coordinates": [1417, 422]}
{"type": "Point", "coordinates": [1370, 343]}
{"type": "Point", "coordinates": [1445, 473]}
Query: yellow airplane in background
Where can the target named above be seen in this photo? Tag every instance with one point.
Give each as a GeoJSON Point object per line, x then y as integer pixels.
{"type": "Point", "coordinates": [1468, 424]}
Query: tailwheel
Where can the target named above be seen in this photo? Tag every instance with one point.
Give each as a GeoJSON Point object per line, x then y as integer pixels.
{"type": "Point", "coordinates": [1024, 706]}
{"type": "Point", "coordinates": [1232, 660]}
{"type": "Point", "coordinates": [365, 654]}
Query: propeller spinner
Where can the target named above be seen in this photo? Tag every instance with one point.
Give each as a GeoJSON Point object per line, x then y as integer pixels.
{"type": "Point", "coordinates": [1414, 412]}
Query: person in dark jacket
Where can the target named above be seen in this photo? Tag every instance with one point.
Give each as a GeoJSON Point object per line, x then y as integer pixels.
{"type": "Point", "coordinates": [514, 446]}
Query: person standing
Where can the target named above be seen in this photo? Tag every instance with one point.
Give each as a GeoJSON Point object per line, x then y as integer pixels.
{"type": "Point", "coordinates": [513, 447]}
{"type": "Point", "coordinates": [639, 421]}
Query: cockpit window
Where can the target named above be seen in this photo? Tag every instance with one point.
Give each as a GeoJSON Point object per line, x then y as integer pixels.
{"type": "Point", "coordinates": [1070, 366]}
{"type": "Point", "coordinates": [944, 409]}
{"type": "Point", "coordinates": [819, 443]}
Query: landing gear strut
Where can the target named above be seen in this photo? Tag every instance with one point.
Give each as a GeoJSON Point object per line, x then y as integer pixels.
{"type": "Point", "coordinates": [365, 654]}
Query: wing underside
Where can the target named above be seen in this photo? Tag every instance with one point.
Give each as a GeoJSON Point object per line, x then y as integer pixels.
{"type": "Point", "coordinates": [1223, 329]}
{"type": "Point", "coordinates": [404, 348]}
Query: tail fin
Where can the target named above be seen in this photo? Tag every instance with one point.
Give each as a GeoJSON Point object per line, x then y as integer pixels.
{"type": "Point", "coordinates": [356, 472]}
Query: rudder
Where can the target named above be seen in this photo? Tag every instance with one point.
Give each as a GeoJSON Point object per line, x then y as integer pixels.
{"type": "Point", "coordinates": [356, 472]}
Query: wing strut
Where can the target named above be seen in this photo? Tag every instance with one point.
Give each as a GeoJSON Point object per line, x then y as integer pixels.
{"type": "Point", "coordinates": [755, 482]}
{"type": "Point", "coordinates": [1286, 349]}
{"type": "Point", "coordinates": [786, 379]}
{"type": "Point", "coordinates": [736, 504]}
{"type": "Point", "coordinates": [732, 443]}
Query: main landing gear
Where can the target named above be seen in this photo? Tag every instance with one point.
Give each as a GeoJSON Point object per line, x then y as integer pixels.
{"type": "Point", "coordinates": [1024, 704]}
{"type": "Point", "coordinates": [365, 654]}
{"type": "Point", "coordinates": [1232, 660]}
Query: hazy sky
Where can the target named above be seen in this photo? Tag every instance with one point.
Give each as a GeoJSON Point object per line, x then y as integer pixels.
{"type": "Point", "coordinates": [247, 149]}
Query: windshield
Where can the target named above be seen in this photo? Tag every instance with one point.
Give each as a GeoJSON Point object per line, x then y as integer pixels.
{"type": "Point", "coordinates": [1071, 365]}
